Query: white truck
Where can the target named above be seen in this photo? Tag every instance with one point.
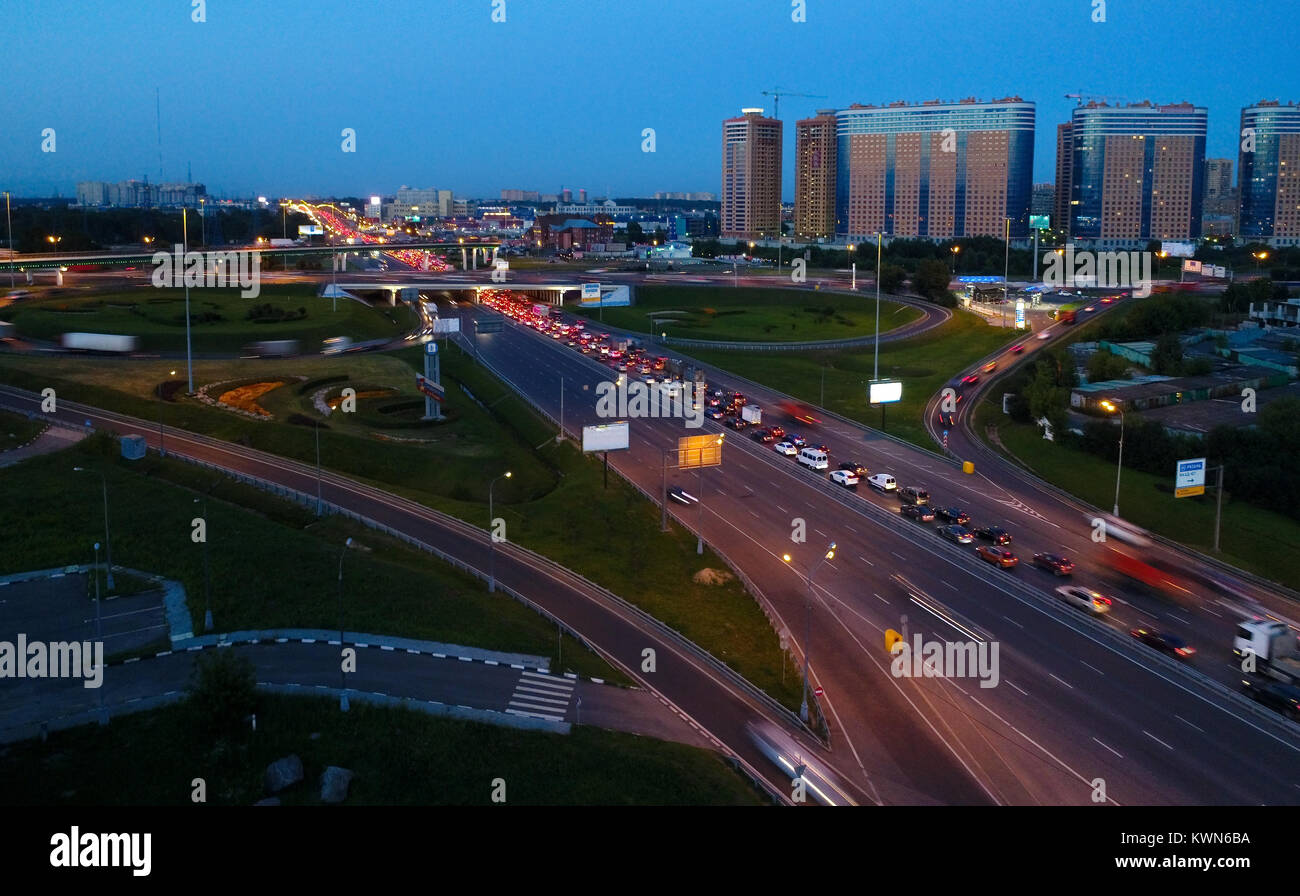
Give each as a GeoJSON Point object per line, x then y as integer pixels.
{"type": "Point", "coordinates": [98, 342]}
{"type": "Point", "coordinates": [751, 414]}
{"type": "Point", "coordinates": [1268, 647]}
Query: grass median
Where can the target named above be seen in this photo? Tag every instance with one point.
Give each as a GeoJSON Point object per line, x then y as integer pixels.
{"type": "Point", "coordinates": [750, 315]}
{"type": "Point", "coordinates": [399, 757]}
{"type": "Point", "coordinates": [924, 364]}
{"type": "Point", "coordinates": [17, 430]}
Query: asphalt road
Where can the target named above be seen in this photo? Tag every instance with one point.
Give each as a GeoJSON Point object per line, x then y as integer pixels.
{"type": "Point", "coordinates": [1077, 701]}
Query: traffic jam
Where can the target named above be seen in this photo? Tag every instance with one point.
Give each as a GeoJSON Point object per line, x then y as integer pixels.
{"type": "Point", "coordinates": [992, 543]}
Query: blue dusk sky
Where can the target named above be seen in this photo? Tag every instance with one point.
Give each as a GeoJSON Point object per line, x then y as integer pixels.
{"type": "Point", "coordinates": [254, 100]}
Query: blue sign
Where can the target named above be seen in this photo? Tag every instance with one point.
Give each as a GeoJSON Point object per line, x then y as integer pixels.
{"type": "Point", "coordinates": [431, 348]}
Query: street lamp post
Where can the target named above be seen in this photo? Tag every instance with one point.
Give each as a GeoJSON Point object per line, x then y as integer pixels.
{"type": "Point", "coordinates": [99, 631]}
{"type": "Point", "coordinates": [853, 269]}
{"type": "Point", "coordinates": [1114, 408]}
{"type": "Point", "coordinates": [162, 448]}
{"type": "Point", "coordinates": [108, 542]}
{"type": "Point", "coordinates": [1006, 270]}
{"type": "Point", "coordinates": [185, 248]}
{"type": "Point", "coordinates": [319, 503]}
{"type": "Point", "coordinates": [807, 652]}
{"type": "Point", "coordinates": [207, 570]}
{"type": "Point", "coordinates": [9, 224]}
{"type": "Point", "coordinates": [203, 224]}
{"type": "Point", "coordinates": [492, 541]}
{"type": "Point", "coordinates": [879, 238]}
{"type": "Point", "coordinates": [343, 672]}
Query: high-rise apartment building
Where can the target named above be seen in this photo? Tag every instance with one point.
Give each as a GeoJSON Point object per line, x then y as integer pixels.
{"type": "Point", "coordinates": [1064, 177]}
{"type": "Point", "coordinates": [1138, 172]}
{"type": "Point", "coordinates": [937, 170]}
{"type": "Point", "coordinates": [751, 176]}
{"type": "Point", "coordinates": [1218, 179]}
{"type": "Point", "coordinates": [1268, 177]}
{"type": "Point", "coordinates": [814, 186]}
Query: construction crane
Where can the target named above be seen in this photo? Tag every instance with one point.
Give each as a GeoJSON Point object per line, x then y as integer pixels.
{"type": "Point", "coordinates": [1094, 96]}
{"type": "Point", "coordinates": [776, 93]}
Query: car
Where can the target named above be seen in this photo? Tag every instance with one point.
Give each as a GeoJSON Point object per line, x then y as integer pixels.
{"type": "Point", "coordinates": [855, 467]}
{"type": "Point", "coordinates": [1164, 642]}
{"type": "Point", "coordinates": [1018, 348]}
{"type": "Point", "coordinates": [956, 534]}
{"type": "Point", "coordinates": [1108, 300]}
{"type": "Point", "coordinates": [1045, 335]}
{"type": "Point", "coordinates": [1000, 557]}
{"type": "Point", "coordinates": [714, 413]}
{"type": "Point", "coordinates": [918, 512]}
{"type": "Point", "coordinates": [948, 419]}
{"type": "Point", "coordinates": [846, 478]}
{"type": "Point", "coordinates": [885, 482]}
{"type": "Point", "coordinates": [990, 367]}
{"type": "Point", "coordinates": [680, 495]}
{"type": "Point", "coordinates": [785, 448]}
{"type": "Point", "coordinates": [797, 441]}
{"type": "Point", "coordinates": [1285, 698]}
{"type": "Point", "coordinates": [995, 534]}
{"type": "Point", "coordinates": [1084, 599]}
{"type": "Point", "coordinates": [970, 380]}
{"type": "Point", "coordinates": [737, 423]}
{"type": "Point", "coordinates": [913, 494]}
{"type": "Point", "coordinates": [778, 431]}
{"type": "Point", "coordinates": [1054, 563]}
{"type": "Point", "coordinates": [763, 435]}
{"type": "Point", "coordinates": [953, 515]}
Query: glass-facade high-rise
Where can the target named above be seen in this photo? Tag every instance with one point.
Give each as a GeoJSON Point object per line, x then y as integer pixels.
{"type": "Point", "coordinates": [1269, 173]}
{"type": "Point", "coordinates": [935, 170]}
{"type": "Point", "coordinates": [1138, 172]}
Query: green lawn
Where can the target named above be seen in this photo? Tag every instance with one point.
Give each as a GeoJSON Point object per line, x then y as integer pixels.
{"type": "Point", "coordinates": [751, 315]}
{"type": "Point", "coordinates": [554, 503]}
{"type": "Point", "coordinates": [273, 564]}
{"type": "Point", "coordinates": [923, 363]}
{"type": "Point", "coordinates": [16, 430]}
{"type": "Point", "coordinates": [400, 757]}
{"type": "Point", "coordinates": [157, 317]}
{"type": "Point", "coordinates": [1258, 540]}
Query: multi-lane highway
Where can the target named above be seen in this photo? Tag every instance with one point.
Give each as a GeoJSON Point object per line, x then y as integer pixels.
{"type": "Point", "coordinates": [1077, 700]}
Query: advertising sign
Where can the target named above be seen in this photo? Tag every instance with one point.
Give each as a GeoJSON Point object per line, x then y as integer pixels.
{"type": "Point", "coordinates": [605, 437]}
{"type": "Point", "coordinates": [883, 393]}
{"type": "Point", "coordinates": [1189, 478]}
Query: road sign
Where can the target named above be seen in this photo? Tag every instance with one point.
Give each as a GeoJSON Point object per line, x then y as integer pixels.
{"type": "Point", "coordinates": [431, 348]}
{"type": "Point", "coordinates": [1189, 478]}
{"type": "Point", "coordinates": [818, 691]}
{"type": "Point", "coordinates": [590, 292]}
{"type": "Point", "coordinates": [429, 387]}
{"type": "Point", "coordinates": [699, 451]}
{"type": "Point", "coordinates": [488, 325]}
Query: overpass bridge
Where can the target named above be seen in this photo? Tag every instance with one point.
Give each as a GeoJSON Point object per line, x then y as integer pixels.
{"type": "Point", "coordinates": [551, 293]}
{"type": "Point", "coordinates": [470, 253]}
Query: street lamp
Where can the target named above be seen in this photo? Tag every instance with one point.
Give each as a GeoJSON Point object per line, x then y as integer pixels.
{"type": "Point", "coordinates": [492, 542]}
{"type": "Point", "coordinates": [699, 527]}
{"type": "Point", "coordinates": [956, 257]}
{"type": "Point", "coordinates": [343, 673]}
{"type": "Point", "coordinates": [162, 398]}
{"type": "Point", "coordinates": [1259, 256]}
{"type": "Point", "coordinates": [99, 631]}
{"type": "Point", "coordinates": [830, 554]}
{"type": "Point", "coordinates": [207, 570]}
{"type": "Point", "coordinates": [1112, 408]}
{"type": "Point", "coordinates": [9, 244]}
{"type": "Point", "coordinates": [875, 376]}
{"type": "Point", "coordinates": [108, 543]}
{"type": "Point", "coordinates": [853, 268]}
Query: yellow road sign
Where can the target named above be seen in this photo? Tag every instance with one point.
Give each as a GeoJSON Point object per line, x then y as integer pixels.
{"type": "Point", "coordinates": [699, 451]}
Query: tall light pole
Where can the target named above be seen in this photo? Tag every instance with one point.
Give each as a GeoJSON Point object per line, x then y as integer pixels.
{"type": "Point", "coordinates": [699, 526]}
{"type": "Point", "coordinates": [10, 225]}
{"type": "Point", "coordinates": [343, 673]}
{"type": "Point", "coordinates": [830, 554]}
{"type": "Point", "coordinates": [875, 377]}
{"type": "Point", "coordinates": [99, 631]}
{"type": "Point", "coordinates": [853, 269]}
{"type": "Point", "coordinates": [162, 449]}
{"type": "Point", "coordinates": [319, 505]}
{"type": "Point", "coordinates": [1006, 270]}
{"type": "Point", "coordinates": [207, 570]}
{"type": "Point", "coordinates": [1114, 408]}
{"type": "Point", "coordinates": [492, 542]}
{"type": "Point", "coordinates": [189, 355]}
{"type": "Point", "coordinates": [956, 258]}
{"type": "Point", "coordinates": [108, 543]}
{"type": "Point", "coordinates": [203, 223]}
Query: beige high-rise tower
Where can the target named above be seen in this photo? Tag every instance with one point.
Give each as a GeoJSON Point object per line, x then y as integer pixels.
{"type": "Point", "coordinates": [751, 176]}
{"type": "Point", "coordinates": [814, 184]}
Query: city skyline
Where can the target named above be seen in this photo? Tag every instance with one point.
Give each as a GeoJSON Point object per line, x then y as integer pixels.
{"type": "Point", "coordinates": [244, 117]}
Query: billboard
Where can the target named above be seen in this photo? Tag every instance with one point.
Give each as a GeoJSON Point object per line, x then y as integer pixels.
{"type": "Point", "coordinates": [1191, 266]}
{"type": "Point", "coordinates": [1178, 249]}
{"type": "Point", "coordinates": [883, 393]}
{"type": "Point", "coordinates": [591, 292]}
{"type": "Point", "coordinates": [1189, 478]}
{"type": "Point", "coordinates": [1039, 222]}
{"type": "Point", "coordinates": [699, 451]}
{"type": "Point", "coordinates": [1020, 314]}
{"type": "Point", "coordinates": [429, 387]}
{"type": "Point", "coordinates": [605, 437]}
{"type": "Point", "coordinates": [444, 325]}
{"type": "Point", "coordinates": [612, 296]}
{"type": "Point", "coordinates": [310, 230]}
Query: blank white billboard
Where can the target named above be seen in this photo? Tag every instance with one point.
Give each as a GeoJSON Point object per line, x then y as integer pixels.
{"type": "Point", "coordinates": [605, 437]}
{"type": "Point", "coordinates": [883, 393]}
{"type": "Point", "coordinates": [446, 325]}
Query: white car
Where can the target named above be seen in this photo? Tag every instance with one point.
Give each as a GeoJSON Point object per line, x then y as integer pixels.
{"type": "Point", "coordinates": [883, 481]}
{"type": "Point", "coordinates": [1084, 598]}
{"type": "Point", "coordinates": [846, 478]}
{"type": "Point", "coordinates": [1044, 335]}
{"type": "Point", "coordinates": [786, 448]}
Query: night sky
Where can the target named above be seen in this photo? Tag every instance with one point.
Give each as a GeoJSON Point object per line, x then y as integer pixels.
{"type": "Point", "coordinates": [256, 97]}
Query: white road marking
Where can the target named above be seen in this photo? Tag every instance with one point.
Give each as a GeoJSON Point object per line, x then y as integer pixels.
{"type": "Point", "coordinates": [1156, 739]}
{"type": "Point", "coordinates": [1093, 668]}
{"type": "Point", "coordinates": [1062, 680]}
{"type": "Point", "coordinates": [1185, 722]}
{"type": "Point", "coordinates": [1022, 690]}
{"type": "Point", "coordinates": [865, 560]}
{"type": "Point", "coordinates": [1108, 748]}
{"type": "Point", "coordinates": [1012, 621]}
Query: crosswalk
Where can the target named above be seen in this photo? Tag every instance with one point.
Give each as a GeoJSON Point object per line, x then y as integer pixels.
{"type": "Point", "coordinates": [541, 696]}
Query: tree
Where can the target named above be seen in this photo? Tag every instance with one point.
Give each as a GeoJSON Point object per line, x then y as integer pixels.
{"type": "Point", "coordinates": [634, 232]}
{"type": "Point", "coordinates": [931, 278]}
{"type": "Point", "coordinates": [1103, 365]}
{"type": "Point", "coordinates": [223, 691]}
{"type": "Point", "coordinates": [1167, 356]}
{"type": "Point", "coordinates": [891, 277]}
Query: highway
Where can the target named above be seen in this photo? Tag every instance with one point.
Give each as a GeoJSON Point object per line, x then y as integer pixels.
{"type": "Point", "coordinates": [1077, 700]}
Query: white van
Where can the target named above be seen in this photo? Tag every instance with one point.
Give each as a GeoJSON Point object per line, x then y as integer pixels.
{"type": "Point", "coordinates": [813, 459]}
{"type": "Point", "coordinates": [883, 481]}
